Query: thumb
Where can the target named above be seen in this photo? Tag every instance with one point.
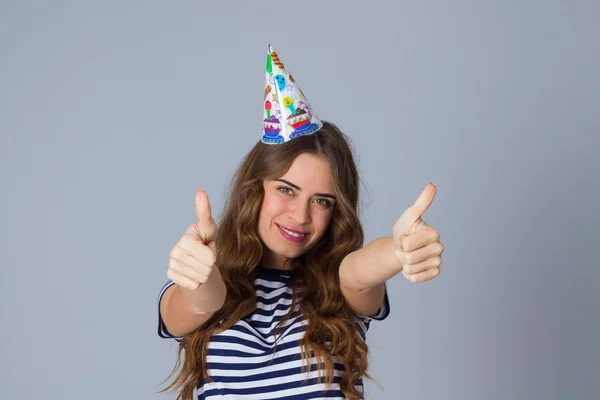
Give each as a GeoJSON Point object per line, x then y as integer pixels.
{"type": "Point", "coordinates": [206, 224]}
{"type": "Point", "coordinates": [413, 214]}
{"type": "Point", "coordinates": [424, 200]}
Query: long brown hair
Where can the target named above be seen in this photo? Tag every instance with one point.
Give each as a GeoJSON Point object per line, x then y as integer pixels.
{"type": "Point", "coordinates": [331, 328]}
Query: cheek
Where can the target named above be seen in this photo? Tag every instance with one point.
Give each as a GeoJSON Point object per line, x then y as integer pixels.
{"type": "Point", "coordinates": [272, 206]}
{"type": "Point", "coordinates": [321, 219]}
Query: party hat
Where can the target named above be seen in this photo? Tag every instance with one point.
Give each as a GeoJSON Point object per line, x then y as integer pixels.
{"type": "Point", "coordinates": [287, 113]}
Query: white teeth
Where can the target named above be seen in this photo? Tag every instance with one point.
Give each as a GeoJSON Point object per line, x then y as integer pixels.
{"type": "Point", "coordinates": [292, 233]}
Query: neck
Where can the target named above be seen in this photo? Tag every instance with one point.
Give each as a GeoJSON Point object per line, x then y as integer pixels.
{"type": "Point", "coordinates": [274, 261]}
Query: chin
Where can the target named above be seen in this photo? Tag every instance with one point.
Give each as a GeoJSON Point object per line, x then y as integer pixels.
{"type": "Point", "coordinates": [291, 253]}
{"type": "Point", "coordinates": [289, 250]}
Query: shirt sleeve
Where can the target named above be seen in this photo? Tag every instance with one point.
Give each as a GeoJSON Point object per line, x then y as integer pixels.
{"type": "Point", "coordinates": [365, 320]}
{"type": "Point", "coordinates": [383, 311]}
{"type": "Point", "coordinates": [162, 329]}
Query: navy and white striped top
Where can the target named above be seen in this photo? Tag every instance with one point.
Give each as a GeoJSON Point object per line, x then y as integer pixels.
{"type": "Point", "coordinates": [246, 362]}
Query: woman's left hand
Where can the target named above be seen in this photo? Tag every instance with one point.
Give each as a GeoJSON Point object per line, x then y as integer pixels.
{"type": "Point", "coordinates": [416, 244]}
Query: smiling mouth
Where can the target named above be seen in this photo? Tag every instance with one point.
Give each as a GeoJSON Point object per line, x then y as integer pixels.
{"type": "Point", "coordinates": [292, 235]}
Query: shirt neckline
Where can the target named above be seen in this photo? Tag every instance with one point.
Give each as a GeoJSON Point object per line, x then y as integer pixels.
{"type": "Point", "coordinates": [273, 271]}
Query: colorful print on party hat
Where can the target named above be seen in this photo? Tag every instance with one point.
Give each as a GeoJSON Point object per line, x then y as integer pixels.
{"type": "Point", "coordinates": [287, 113]}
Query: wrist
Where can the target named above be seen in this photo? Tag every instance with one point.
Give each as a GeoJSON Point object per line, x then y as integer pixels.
{"type": "Point", "coordinates": [193, 308]}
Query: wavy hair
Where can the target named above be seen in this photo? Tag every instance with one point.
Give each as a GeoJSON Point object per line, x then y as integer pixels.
{"type": "Point", "coordinates": [331, 328]}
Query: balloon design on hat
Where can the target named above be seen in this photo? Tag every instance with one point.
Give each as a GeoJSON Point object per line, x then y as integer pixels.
{"type": "Point", "coordinates": [287, 113]}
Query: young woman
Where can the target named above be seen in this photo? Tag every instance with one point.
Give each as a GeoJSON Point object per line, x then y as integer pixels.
{"type": "Point", "coordinates": [275, 301]}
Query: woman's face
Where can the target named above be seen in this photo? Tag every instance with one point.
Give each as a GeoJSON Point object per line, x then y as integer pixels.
{"type": "Point", "coordinates": [296, 210]}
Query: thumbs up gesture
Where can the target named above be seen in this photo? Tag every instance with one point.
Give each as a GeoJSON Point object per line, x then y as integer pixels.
{"type": "Point", "coordinates": [416, 244]}
{"type": "Point", "coordinates": [193, 257]}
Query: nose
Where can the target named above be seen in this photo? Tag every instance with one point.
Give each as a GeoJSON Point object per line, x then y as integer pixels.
{"type": "Point", "coordinates": [300, 212]}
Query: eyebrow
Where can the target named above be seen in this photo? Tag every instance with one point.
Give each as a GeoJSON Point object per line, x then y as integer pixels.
{"type": "Point", "coordinates": [300, 189]}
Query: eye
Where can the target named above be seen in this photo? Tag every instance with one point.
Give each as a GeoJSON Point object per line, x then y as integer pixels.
{"type": "Point", "coordinates": [285, 190]}
{"type": "Point", "coordinates": [325, 203]}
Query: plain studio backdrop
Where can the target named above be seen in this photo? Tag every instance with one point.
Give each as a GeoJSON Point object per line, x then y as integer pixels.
{"type": "Point", "coordinates": [113, 113]}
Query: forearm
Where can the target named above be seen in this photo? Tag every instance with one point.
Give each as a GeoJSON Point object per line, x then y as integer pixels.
{"type": "Point", "coordinates": [370, 266]}
{"type": "Point", "coordinates": [181, 317]}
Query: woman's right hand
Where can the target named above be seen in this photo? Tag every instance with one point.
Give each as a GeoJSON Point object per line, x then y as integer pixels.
{"type": "Point", "coordinates": [193, 258]}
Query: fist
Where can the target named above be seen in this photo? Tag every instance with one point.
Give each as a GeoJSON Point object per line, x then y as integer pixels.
{"type": "Point", "coordinates": [420, 254]}
{"type": "Point", "coordinates": [193, 257]}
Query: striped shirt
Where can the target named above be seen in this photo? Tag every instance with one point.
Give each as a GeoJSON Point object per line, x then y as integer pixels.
{"type": "Point", "coordinates": [247, 362]}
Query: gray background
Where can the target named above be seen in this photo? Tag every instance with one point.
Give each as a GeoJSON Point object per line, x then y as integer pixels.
{"type": "Point", "coordinates": [113, 113]}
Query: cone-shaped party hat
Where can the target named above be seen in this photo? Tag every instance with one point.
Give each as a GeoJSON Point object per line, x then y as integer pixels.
{"type": "Point", "coordinates": [287, 113]}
